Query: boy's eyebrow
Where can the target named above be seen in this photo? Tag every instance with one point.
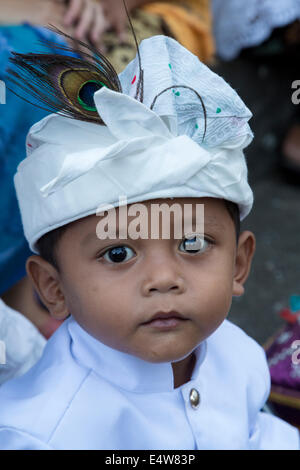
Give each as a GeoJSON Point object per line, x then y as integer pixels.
{"type": "Point", "coordinates": [213, 222]}
{"type": "Point", "coordinates": [90, 237]}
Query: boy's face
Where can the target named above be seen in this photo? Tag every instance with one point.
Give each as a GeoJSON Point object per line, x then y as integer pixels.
{"type": "Point", "coordinates": [114, 293]}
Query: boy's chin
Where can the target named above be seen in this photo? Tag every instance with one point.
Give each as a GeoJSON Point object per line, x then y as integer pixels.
{"type": "Point", "coordinates": [167, 356]}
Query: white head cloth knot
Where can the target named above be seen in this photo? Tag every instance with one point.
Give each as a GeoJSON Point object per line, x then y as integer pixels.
{"type": "Point", "coordinates": [73, 167]}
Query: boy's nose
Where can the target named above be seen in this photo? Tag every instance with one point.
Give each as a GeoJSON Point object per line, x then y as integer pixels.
{"type": "Point", "coordinates": [163, 279]}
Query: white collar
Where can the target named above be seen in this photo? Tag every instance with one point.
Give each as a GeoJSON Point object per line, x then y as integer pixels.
{"type": "Point", "coordinates": [124, 370]}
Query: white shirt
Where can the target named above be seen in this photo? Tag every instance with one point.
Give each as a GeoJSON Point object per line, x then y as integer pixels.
{"type": "Point", "coordinates": [83, 394]}
{"type": "Point", "coordinates": [21, 343]}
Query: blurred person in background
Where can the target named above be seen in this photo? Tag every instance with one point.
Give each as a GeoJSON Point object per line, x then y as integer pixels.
{"type": "Point", "coordinates": [188, 21]}
{"type": "Point", "coordinates": [267, 30]}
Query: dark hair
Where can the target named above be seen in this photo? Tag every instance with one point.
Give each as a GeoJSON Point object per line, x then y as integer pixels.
{"type": "Point", "coordinates": [234, 213]}
{"type": "Point", "coordinates": [47, 244]}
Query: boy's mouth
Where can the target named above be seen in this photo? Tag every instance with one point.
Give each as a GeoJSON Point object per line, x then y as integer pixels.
{"type": "Point", "coordinates": [165, 320]}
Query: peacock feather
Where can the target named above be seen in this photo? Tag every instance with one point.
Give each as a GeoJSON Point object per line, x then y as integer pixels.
{"type": "Point", "coordinates": [65, 84]}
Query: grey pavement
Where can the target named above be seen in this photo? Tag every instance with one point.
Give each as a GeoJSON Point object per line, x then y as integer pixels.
{"type": "Point", "coordinates": [275, 218]}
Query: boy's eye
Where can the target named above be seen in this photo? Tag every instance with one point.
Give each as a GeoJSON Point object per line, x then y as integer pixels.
{"type": "Point", "coordinates": [118, 254]}
{"type": "Point", "coordinates": [196, 244]}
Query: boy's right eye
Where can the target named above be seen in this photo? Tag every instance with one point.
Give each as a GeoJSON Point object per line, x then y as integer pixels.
{"type": "Point", "coordinates": [118, 254]}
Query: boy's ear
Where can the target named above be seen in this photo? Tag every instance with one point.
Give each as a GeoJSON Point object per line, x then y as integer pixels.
{"type": "Point", "coordinates": [244, 255]}
{"type": "Point", "coordinates": [46, 281]}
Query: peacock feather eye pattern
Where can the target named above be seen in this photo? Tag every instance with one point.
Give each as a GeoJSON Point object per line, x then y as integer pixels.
{"type": "Point", "coordinates": [78, 87]}
{"type": "Point", "coordinates": [85, 95]}
{"type": "Point", "coordinates": [64, 84]}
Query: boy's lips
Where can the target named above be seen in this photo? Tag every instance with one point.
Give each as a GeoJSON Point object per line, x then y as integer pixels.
{"type": "Point", "coordinates": [165, 319]}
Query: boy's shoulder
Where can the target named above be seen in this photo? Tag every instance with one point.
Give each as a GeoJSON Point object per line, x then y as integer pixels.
{"type": "Point", "coordinates": [40, 398]}
{"type": "Point", "coordinates": [240, 357]}
{"type": "Point", "coordinates": [238, 337]}
{"type": "Point", "coordinates": [228, 330]}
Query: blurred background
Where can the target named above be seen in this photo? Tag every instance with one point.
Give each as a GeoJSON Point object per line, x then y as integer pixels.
{"type": "Point", "coordinates": [265, 85]}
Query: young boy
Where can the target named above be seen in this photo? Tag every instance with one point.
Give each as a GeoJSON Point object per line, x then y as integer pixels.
{"type": "Point", "coordinates": [145, 358]}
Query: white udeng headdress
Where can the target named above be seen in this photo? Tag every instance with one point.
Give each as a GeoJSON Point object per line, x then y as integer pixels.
{"type": "Point", "coordinates": [73, 167]}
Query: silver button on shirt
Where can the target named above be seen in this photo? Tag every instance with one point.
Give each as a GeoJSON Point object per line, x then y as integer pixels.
{"type": "Point", "coordinates": [194, 398]}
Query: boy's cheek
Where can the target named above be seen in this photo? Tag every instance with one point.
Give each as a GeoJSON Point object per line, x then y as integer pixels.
{"type": "Point", "coordinates": [215, 302]}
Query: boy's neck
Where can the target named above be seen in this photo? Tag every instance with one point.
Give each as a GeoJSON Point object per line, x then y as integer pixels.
{"type": "Point", "coordinates": [182, 370]}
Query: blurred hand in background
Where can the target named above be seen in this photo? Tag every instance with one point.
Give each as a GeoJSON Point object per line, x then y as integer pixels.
{"type": "Point", "coordinates": [92, 18]}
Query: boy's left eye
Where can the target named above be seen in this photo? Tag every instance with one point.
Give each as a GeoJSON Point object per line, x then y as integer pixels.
{"type": "Point", "coordinates": [194, 245]}
{"type": "Point", "coordinates": [118, 254]}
